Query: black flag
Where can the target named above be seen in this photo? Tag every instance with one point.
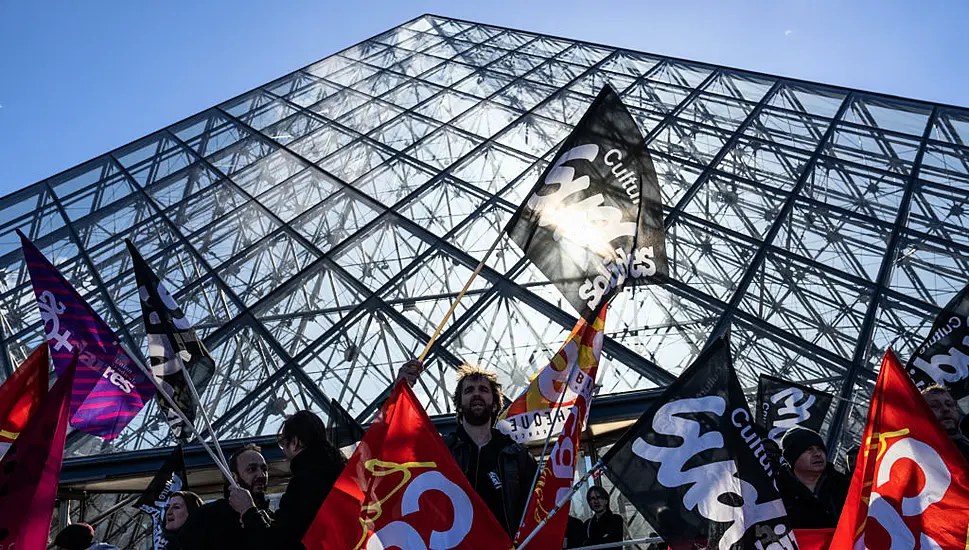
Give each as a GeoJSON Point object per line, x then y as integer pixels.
{"type": "Point", "coordinates": [169, 479]}
{"type": "Point", "coordinates": [342, 429]}
{"type": "Point", "coordinates": [169, 333]}
{"type": "Point", "coordinates": [944, 356]}
{"type": "Point", "coordinates": [695, 467]}
{"type": "Point", "coordinates": [594, 220]}
{"type": "Point", "coordinates": [781, 405]}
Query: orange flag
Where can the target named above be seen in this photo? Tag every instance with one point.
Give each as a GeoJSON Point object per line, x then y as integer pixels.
{"type": "Point", "coordinates": [910, 488]}
{"type": "Point", "coordinates": [402, 489]}
{"type": "Point", "coordinates": [21, 395]}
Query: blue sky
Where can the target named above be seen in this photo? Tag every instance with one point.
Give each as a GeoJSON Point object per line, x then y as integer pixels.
{"type": "Point", "coordinates": [80, 78]}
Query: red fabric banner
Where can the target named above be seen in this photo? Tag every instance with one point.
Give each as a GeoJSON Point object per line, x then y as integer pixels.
{"type": "Point", "coordinates": [29, 472]}
{"type": "Point", "coordinates": [21, 395]}
{"type": "Point", "coordinates": [557, 475]}
{"type": "Point", "coordinates": [910, 488]}
{"type": "Point", "coordinates": [402, 489]}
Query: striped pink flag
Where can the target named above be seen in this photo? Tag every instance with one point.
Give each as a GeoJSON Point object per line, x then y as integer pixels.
{"type": "Point", "coordinates": [109, 388]}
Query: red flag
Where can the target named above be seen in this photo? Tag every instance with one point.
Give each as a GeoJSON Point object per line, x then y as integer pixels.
{"type": "Point", "coordinates": [813, 539]}
{"type": "Point", "coordinates": [910, 487]}
{"type": "Point", "coordinates": [21, 395]}
{"type": "Point", "coordinates": [402, 489]}
{"type": "Point", "coordinates": [30, 470]}
{"type": "Point", "coordinates": [557, 475]}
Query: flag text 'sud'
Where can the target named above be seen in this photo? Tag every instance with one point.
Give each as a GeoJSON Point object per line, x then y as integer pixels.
{"type": "Point", "coordinates": [943, 358]}
{"type": "Point", "coordinates": [781, 405]}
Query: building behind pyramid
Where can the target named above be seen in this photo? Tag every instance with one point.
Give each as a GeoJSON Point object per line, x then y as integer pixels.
{"type": "Point", "coordinates": [317, 228]}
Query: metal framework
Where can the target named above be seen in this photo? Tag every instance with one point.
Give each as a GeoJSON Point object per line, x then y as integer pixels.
{"type": "Point", "coordinates": [316, 228]}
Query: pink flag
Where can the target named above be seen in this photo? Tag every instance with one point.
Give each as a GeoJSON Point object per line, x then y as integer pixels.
{"type": "Point", "coordinates": [109, 389]}
{"type": "Point", "coordinates": [30, 470]}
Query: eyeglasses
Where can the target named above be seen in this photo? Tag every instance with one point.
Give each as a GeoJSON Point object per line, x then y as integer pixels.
{"type": "Point", "coordinates": [282, 441]}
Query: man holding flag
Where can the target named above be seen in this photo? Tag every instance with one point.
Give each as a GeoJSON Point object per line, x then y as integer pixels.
{"type": "Point", "coordinates": [499, 469]}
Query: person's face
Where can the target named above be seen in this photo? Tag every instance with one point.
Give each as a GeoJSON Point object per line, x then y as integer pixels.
{"type": "Point", "coordinates": [477, 403]}
{"type": "Point", "coordinates": [253, 473]}
{"type": "Point", "coordinates": [290, 446]}
{"type": "Point", "coordinates": [597, 501]}
{"type": "Point", "coordinates": [944, 407]}
{"type": "Point", "coordinates": [175, 514]}
{"type": "Point", "coordinates": [813, 460]}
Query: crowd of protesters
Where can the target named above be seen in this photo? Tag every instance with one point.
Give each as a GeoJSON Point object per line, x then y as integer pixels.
{"type": "Point", "coordinates": [498, 469]}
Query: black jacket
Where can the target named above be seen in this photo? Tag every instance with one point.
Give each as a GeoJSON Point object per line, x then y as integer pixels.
{"type": "Point", "coordinates": [314, 474]}
{"type": "Point", "coordinates": [512, 464]}
{"type": "Point", "coordinates": [608, 528]}
{"type": "Point", "coordinates": [817, 510]}
{"type": "Point", "coordinates": [216, 525]}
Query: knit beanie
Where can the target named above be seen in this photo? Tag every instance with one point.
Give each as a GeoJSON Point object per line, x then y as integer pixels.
{"type": "Point", "coordinates": [797, 440]}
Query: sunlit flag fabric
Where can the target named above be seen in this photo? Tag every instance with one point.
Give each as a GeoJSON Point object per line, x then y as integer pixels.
{"type": "Point", "coordinates": [695, 467]}
{"type": "Point", "coordinates": [782, 404]}
{"type": "Point", "coordinates": [30, 471]}
{"type": "Point", "coordinates": [594, 220]}
{"type": "Point", "coordinates": [21, 395]}
{"type": "Point", "coordinates": [109, 388]}
{"type": "Point", "coordinates": [170, 334]}
{"type": "Point", "coordinates": [558, 472]}
{"type": "Point", "coordinates": [943, 358]}
{"type": "Point", "coordinates": [910, 483]}
{"type": "Point", "coordinates": [402, 489]}
{"type": "Point", "coordinates": [535, 413]}
{"type": "Point", "coordinates": [169, 479]}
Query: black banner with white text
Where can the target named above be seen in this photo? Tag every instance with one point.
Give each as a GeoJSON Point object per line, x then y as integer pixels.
{"type": "Point", "coordinates": [782, 404]}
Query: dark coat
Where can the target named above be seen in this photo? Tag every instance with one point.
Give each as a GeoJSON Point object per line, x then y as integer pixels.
{"type": "Point", "coordinates": [575, 533]}
{"type": "Point", "coordinates": [608, 528]}
{"type": "Point", "coordinates": [216, 525]}
{"type": "Point", "coordinates": [314, 474]}
{"type": "Point", "coordinates": [515, 467]}
{"type": "Point", "coordinates": [813, 510]}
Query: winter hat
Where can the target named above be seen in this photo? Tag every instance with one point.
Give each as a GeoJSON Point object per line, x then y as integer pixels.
{"type": "Point", "coordinates": [76, 536]}
{"type": "Point", "coordinates": [797, 440]}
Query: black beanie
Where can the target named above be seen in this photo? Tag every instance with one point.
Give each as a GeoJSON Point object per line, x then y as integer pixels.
{"type": "Point", "coordinates": [797, 440]}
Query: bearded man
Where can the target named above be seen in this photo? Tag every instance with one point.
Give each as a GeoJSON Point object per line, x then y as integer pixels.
{"type": "Point", "coordinates": [500, 470]}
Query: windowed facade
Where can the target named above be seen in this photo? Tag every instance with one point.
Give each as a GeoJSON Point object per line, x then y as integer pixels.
{"type": "Point", "coordinates": [316, 229]}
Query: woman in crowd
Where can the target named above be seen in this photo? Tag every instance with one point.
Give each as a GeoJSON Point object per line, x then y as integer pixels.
{"type": "Point", "coordinates": [180, 505]}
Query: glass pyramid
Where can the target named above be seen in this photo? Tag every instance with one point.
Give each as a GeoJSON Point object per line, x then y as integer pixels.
{"type": "Point", "coordinates": [318, 227]}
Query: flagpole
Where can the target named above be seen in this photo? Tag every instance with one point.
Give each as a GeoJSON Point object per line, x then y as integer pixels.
{"type": "Point", "coordinates": [575, 489]}
{"type": "Point", "coordinates": [205, 415]}
{"type": "Point", "coordinates": [467, 285]}
{"type": "Point", "coordinates": [181, 415]}
{"type": "Point", "coordinates": [548, 437]}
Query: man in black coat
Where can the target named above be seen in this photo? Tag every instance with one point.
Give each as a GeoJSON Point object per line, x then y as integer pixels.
{"type": "Point", "coordinates": [218, 524]}
{"type": "Point", "coordinates": [500, 470]}
{"type": "Point", "coordinates": [604, 525]}
{"type": "Point", "coordinates": [315, 465]}
{"type": "Point", "coordinates": [812, 490]}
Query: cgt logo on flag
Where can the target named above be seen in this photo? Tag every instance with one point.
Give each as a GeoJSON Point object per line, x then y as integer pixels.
{"type": "Point", "coordinates": [428, 483]}
{"type": "Point", "coordinates": [901, 458]}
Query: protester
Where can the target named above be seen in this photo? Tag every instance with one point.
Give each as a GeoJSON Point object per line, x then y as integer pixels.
{"type": "Point", "coordinates": [604, 525]}
{"type": "Point", "coordinates": [79, 536]}
{"type": "Point", "coordinates": [574, 533]}
{"type": "Point", "coordinates": [500, 470]}
{"type": "Point", "coordinates": [813, 491]}
{"type": "Point", "coordinates": [315, 465]}
{"type": "Point", "coordinates": [180, 505]}
{"type": "Point", "coordinates": [217, 524]}
{"type": "Point", "coordinates": [949, 415]}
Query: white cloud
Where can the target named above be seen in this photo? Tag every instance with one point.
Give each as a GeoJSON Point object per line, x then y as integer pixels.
{"type": "Point", "coordinates": [788, 32]}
